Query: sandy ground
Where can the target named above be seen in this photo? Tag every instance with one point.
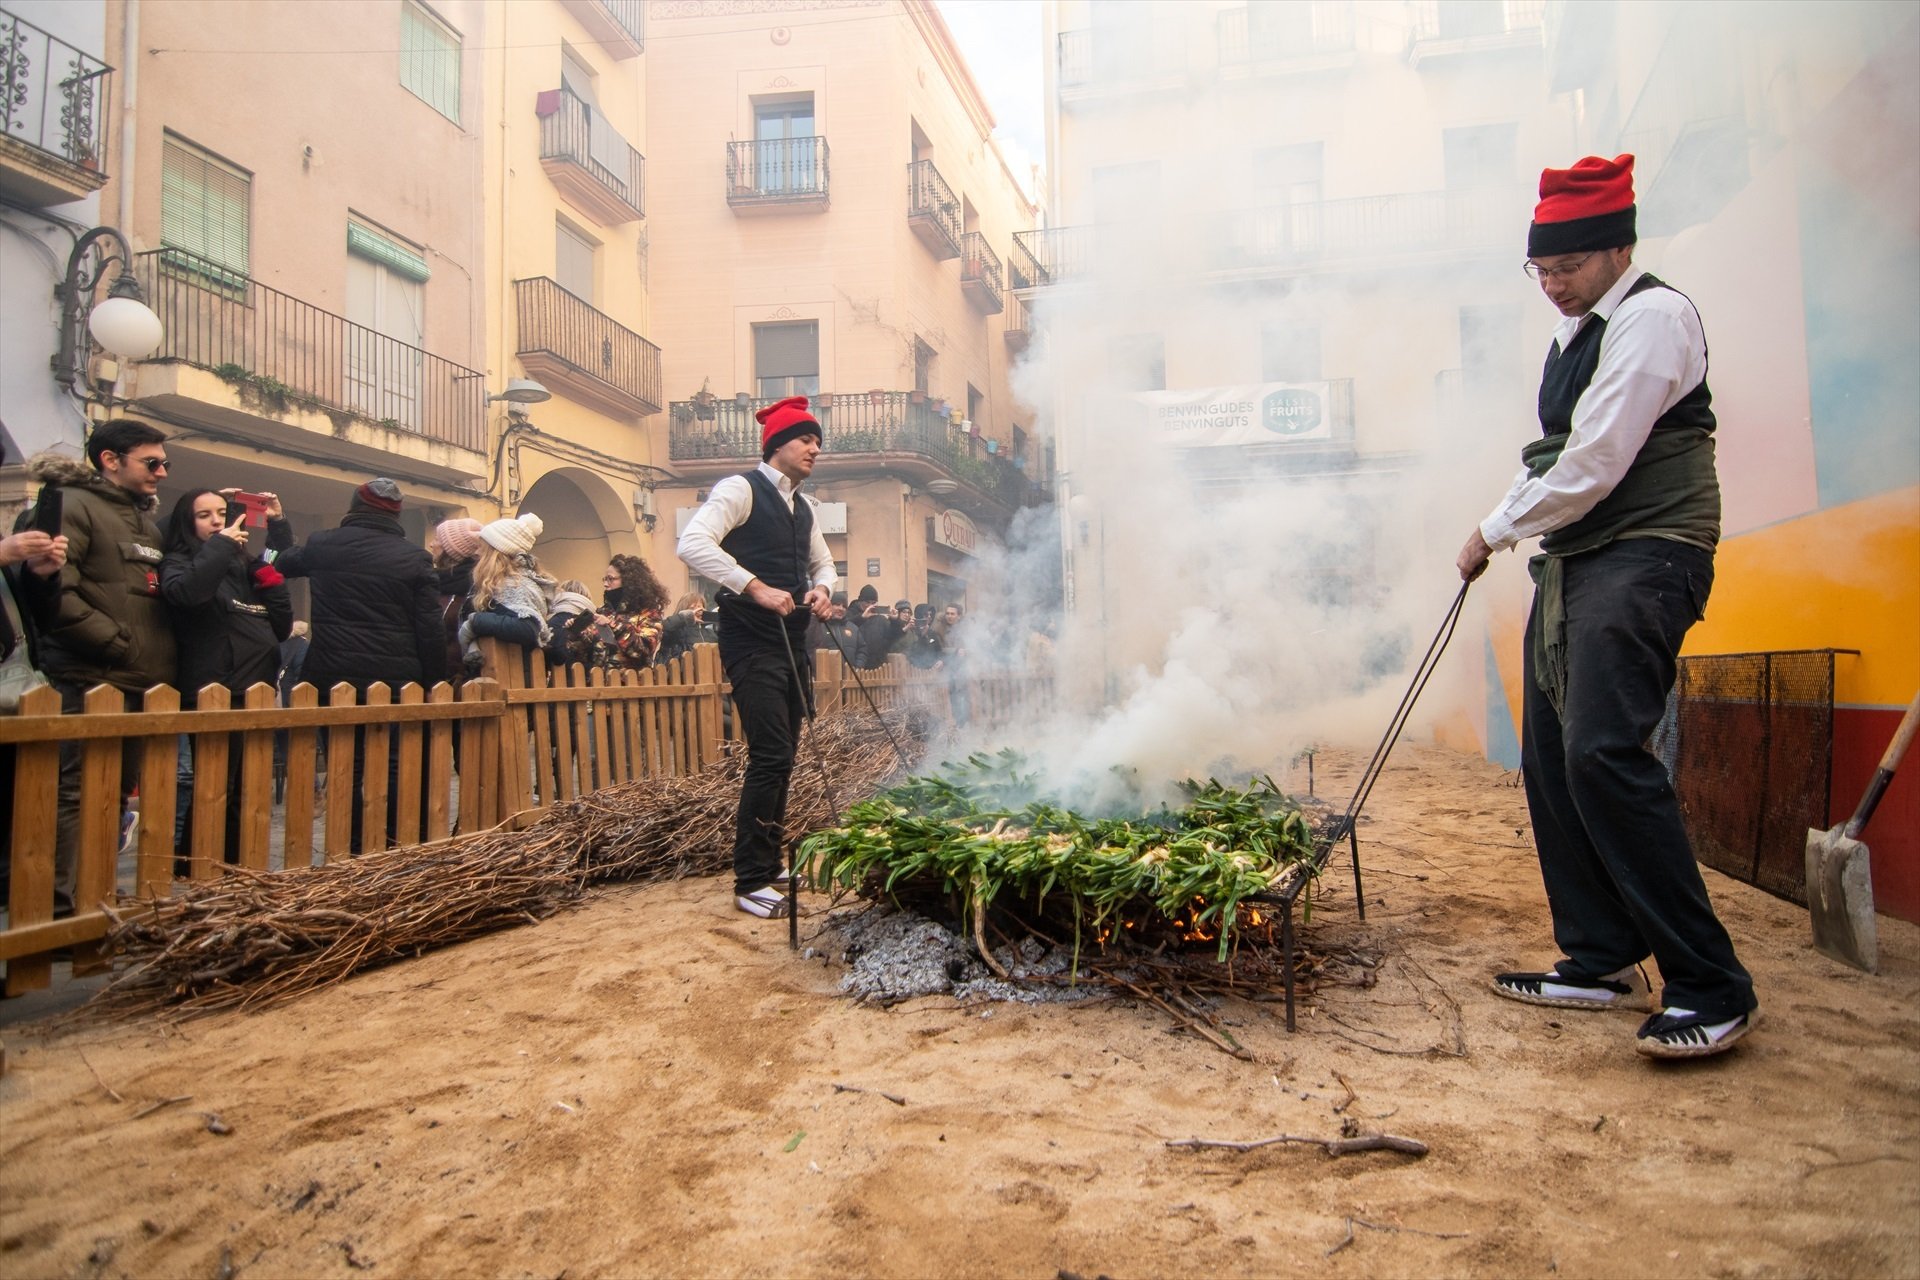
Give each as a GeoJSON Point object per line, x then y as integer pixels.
{"type": "Point", "coordinates": [646, 1087]}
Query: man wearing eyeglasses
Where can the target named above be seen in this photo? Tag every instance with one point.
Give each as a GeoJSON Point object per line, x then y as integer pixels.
{"type": "Point", "coordinates": [1622, 492]}
{"type": "Point", "coordinates": [101, 620]}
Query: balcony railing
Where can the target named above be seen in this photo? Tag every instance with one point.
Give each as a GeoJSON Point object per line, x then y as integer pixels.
{"type": "Point", "coordinates": [620, 26]}
{"type": "Point", "coordinates": [1124, 56]}
{"type": "Point", "coordinates": [866, 423]}
{"type": "Point", "coordinates": [588, 159]}
{"type": "Point", "coordinates": [285, 355]}
{"type": "Point", "coordinates": [1367, 227]}
{"type": "Point", "coordinates": [594, 359]}
{"type": "Point", "coordinates": [980, 273]}
{"type": "Point", "coordinates": [1475, 19]}
{"type": "Point", "coordinates": [1274, 33]}
{"type": "Point", "coordinates": [1053, 255]}
{"type": "Point", "coordinates": [933, 211]}
{"type": "Point", "coordinates": [53, 97]}
{"type": "Point", "coordinates": [779, 171]}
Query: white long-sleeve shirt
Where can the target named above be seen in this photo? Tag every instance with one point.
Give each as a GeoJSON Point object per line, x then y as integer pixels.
{"type": "Point", "coordinates": [727, 507]}
{"type": "Point", "coordinates": [1653, 353]}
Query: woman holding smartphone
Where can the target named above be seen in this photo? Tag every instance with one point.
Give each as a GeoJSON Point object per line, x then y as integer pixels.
{"type": "Point", "coordinates": [230, 612]}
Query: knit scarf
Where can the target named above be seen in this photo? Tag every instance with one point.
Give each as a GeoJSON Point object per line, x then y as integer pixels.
{"type": "Point", "coordinates": [528, 594]}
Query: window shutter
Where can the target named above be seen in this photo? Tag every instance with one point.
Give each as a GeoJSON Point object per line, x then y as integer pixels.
{"type": "Point", "coordinates": [375, 247]}
{"type": "Point", "coordinates": [203, 206]}
{"type": "Point", "coordinates": [786, 350]}
{"type": "Point", "coordinates": [430, 60]}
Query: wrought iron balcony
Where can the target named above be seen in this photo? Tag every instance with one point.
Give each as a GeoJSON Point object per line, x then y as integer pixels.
{"type": "Point", "coordinates": [933, 211]}
{"type": "Point", "coordinates": [1285, 33]}
{"type": "Point", "coordinates": [980, 273]}
{"type": "Point", "coordinates": [1442, 27]}
{"type": "Point", "coordinates": [54, 109]}
{"type": "Point", "coordinates": [285, 355]}
{"type": "Point", "coordinates": [1129, 57]}
{"type": "Point", "coordinates": [1357, 231]}
{"type": "Point", "coordinates": [618, 26]}
{"type": "Point", "coordinates": [897, 431]}
{"type": "Point", "coordinates": [584, 354]}
{"type": "Point", "coordinates": [588, 160]}
{"type": "Point", "coordinates": [1053, 255]}
{"type": "Point", "coordinates": [778, 175]}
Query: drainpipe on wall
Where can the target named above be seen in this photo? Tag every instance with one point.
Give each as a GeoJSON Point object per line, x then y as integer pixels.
{"type": "Point", "coordinates": [130, 84]}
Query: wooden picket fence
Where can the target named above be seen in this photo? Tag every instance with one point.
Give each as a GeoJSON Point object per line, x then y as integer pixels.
{"type": "Point", "coordinates": [498, 749]}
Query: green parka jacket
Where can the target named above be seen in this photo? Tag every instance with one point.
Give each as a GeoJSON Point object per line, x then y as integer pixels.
{"type": "Point", "coordinates": [102, 620]}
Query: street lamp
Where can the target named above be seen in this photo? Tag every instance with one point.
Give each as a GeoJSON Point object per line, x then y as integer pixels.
{"type": "Point", "coordinates": [123, 324]}
{"type": "Point", "coordinates": [522, 391]}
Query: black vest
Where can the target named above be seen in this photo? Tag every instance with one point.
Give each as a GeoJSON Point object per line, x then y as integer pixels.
{"type": "Point", "coordinates": [774, 545]}
{"type": "Point", "coordinates": [1569, 372]}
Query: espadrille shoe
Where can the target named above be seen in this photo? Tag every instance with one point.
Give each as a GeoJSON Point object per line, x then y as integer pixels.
{"type": "Point", "coordinates": [1626, 989]}
{"type": "Point", "coordinates": [1681, 1033]}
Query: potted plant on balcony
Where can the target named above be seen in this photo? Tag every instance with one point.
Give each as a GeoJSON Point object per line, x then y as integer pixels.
{"type": "Point", "coordinates": [682, 412]}
{"type": "Point", "coordinates": [704, 400]}
{"type": "Point", "coordinates": [742, 401]}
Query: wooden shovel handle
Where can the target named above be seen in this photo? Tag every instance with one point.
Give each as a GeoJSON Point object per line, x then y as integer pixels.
{"type": "Point", "coordinates": [1902, 739]}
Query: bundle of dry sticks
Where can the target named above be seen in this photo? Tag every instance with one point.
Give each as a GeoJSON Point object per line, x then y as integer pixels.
{"type": "Point", "coordinates": [253, 938]}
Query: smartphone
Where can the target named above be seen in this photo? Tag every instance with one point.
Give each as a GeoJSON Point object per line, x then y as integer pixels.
{"type": "Point", "coordinates": [240, 502]}
{"type": "Point", "coordinates": [47, 512]}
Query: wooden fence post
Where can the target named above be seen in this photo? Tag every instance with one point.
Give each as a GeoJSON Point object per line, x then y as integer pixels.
{"type": "Point", "coordinates": [303, 783]}
{"type": "Point", "coordinates": [376, 745]}
{"type": "Point", "coordinates": [479, 761]}
{"type": "Point", "coordinates": [439, 765]}
{"type": "Point", "coordinates": [36, 781]}
{"type": "Point", "coordinates": [340, 756]}
{"type": "Point", "coordinates": [153, 871]}
{"type": "Point", "coordinates": [411, 739]}
{"type": "Point", "coordinates": [209, 762]}
{"type": "Point", "coordinates": [256, 783]}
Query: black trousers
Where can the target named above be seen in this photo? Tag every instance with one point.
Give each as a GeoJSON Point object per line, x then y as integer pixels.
{"type": "Point", "coordinates": [1621, 878]}
{"type": "Point", "coordinates": [772, 705]}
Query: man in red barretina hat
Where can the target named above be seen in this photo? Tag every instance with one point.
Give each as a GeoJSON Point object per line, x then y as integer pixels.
{"type": "Point", "coordinates": [1621, 491]}
{"type": "Point", "coordinates": [756, 536]}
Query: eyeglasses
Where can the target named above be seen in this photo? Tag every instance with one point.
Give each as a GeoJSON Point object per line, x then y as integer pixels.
{"type": "Point", "coordinates": [1564, 271]}
{"type": "Point", "coordinates": [153, 465]}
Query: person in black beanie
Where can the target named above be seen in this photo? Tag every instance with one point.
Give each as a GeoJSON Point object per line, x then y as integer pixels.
{"type": "Point", "coordinates": [376, 612]}
{"type": "Point", "coordinates": [1622, 491]}
{"type": "Point", "coordinates": [756, 536]}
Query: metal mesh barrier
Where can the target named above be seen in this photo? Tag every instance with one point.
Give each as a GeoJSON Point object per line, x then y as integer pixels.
{"type": "Point", "coordinates": [1748, 742]}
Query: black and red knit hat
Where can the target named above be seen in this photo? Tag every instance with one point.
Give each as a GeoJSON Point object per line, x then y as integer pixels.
{"type": "Point", "coordinates": [785, 420]}
{"type": "Point", "coordinates": [1583, 209]}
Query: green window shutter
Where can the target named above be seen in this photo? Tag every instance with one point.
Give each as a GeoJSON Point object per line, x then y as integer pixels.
{"type": "Point", "coordinates": [396, 257]}
{"type": "Point", "coordinates": [430, 60]}
{"type": "Point", "coordinates": [204, 208]}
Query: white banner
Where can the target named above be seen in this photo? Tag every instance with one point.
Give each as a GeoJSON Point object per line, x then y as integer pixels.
{"type": "Point", "coordinates": [1258, 413]}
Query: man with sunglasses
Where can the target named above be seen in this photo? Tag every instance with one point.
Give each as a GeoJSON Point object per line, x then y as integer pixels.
{"type": "Point", "coordinates": [1622, 492]}
{"type": "Point", "coordinates": [101, 620]}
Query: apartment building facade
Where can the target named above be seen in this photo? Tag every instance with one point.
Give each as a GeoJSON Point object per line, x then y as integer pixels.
{"type": "Point", "coordinates": [58, 140]}
{"type": "Point", "coordinates": [319, 280]}
{"type": "Point", "coordinates": [566, 194]}
{"type": "Point", "coordinates": [839, 215]}
{"type": "Point", "coordinates": [1286, 246]}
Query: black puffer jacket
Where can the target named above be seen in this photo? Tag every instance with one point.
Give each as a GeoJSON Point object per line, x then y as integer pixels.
{"type": "Point", "coordinates": [229, 629]}
{"type": "Point", "coordinates": [376, 603]}
{"type": "Point", "coordinates": [101, 618]}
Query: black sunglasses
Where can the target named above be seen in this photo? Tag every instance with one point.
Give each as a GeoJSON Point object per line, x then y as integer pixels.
{"type": "Point", "coordinates": [153, 465]}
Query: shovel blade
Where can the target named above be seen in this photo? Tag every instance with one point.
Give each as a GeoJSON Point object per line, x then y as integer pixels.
{"type": "Point", "coordinates": [1840, 899]}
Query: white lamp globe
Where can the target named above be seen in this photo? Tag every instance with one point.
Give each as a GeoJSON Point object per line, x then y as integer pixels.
{"type": "Point", "coordinates": [126, 327]}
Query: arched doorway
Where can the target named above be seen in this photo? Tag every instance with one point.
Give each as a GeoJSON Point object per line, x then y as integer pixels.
{"type": "Point", "coordinates": [587, 523]}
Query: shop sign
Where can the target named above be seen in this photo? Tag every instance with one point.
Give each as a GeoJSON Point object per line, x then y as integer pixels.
{"type": "Point", "coordinates": [955, 529]}
{"type": "Point", "coordinates": [1258, 413]}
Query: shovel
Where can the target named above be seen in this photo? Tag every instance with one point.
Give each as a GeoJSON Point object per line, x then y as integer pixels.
{"type": "Point", "coordinates": [1839, 881]}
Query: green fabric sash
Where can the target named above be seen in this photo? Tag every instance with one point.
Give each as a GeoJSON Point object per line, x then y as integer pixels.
{"type": "Point", "coordinates": [1671, 491]}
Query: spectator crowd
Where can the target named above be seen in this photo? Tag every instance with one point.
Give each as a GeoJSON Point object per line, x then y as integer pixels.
{"type": "Point", "coordinates": [99, 588]}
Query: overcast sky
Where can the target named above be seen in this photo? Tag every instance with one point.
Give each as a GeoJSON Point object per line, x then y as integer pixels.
{"type": "Point", "coordinates": [1001, 41]}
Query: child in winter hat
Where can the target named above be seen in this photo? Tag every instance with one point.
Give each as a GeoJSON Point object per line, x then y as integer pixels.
{"type": "Point", "coordinates": [512, 596]}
